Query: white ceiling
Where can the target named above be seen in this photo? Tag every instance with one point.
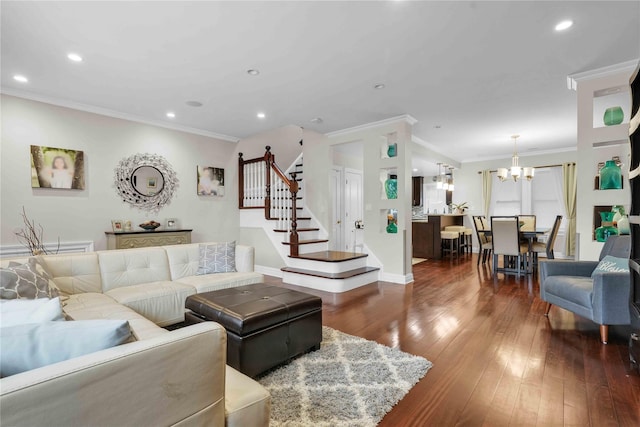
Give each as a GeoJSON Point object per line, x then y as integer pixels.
{"type": "Point", "coordinates": [481, 71]}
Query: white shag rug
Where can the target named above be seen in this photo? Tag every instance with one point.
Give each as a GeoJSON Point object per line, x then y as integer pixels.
{"type": "Point", "coordinates": [350, 381]}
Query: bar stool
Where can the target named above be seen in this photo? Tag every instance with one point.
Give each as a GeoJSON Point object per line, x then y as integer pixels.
{"type": "Point", "coordinates": [468, 239]}
{"type": "Point", "coordinates": [460, 229]}
{"type": "Point", "coordinates": [450, 243]}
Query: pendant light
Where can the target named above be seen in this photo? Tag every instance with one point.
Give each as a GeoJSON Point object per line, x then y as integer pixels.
{"type": "Point", "coordinates": [439, 178]}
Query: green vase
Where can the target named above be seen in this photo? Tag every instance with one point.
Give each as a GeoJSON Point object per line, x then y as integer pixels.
{"type": "Point", "coordinates": [610, 176]}
{"type": "Point", "coordinates": [613, 116]}
{"type": "Point", "coordinates": [392, 150]}
{"type": "Point", "coordinates": [391, 187]}
{"type": "Point", "coordinates": [392, 228]}
{"type": "Point", "coordinates": [606, 229]}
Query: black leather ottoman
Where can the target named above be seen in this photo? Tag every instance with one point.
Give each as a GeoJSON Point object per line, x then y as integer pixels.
{"type": "Point", "coordinates": [266, 325]}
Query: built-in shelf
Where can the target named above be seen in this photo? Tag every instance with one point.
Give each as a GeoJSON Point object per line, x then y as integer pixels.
{"type": "Point", "coordinates": [617, 96]}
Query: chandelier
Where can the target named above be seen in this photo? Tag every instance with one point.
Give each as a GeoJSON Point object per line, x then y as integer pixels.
{"type": "Point", "coordinates": [516, 171]}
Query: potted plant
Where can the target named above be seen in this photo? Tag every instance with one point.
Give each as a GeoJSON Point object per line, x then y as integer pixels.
{"type": "Point", "coordinates": [460, 208]}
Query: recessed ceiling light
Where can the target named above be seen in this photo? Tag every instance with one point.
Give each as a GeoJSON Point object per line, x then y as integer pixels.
{"type": "Point", "coordinates": [194, 103]}
{"type": "Point", "coordinates": [415, 169]}
{"type": "Point", "coordinates": [316, 120]}
{"type": "Point", "coordinates": [261, 115]}
{"type": "Point", "coordinates": [171, 115]}
{"type": "Point", "coordinates": [379, 86]}
{"type": "Point", "coordinates": [253, 72]}
{"type": "Point", "coordinates": [20, 78]}
{"type": "Point", "coordinates": [74, 57]}
{"type": "Point", "coordinates": [563, 25]}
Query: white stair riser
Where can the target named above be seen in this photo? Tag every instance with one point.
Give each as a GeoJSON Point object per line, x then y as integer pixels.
{"type": "Point", "coordinates": [328, 267]}
{"type": "Point", "coordinates": [313, 247]}
{"type": "Point", "coordinates": [305, 235]}
{"type": "Point", "coordinates": [330, 285]}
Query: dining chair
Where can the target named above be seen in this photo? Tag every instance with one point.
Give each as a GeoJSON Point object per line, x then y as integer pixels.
{"type": "Point", "coordinates": [506, 242]}
{"type": "Point", "coordinates": [485, 247]}
{"type": "Point", "coordinates": [528, 222]}
{"type": "Point", "coordinates": [547, 247]}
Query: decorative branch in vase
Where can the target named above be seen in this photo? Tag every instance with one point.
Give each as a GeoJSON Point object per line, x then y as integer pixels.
{"type": "Point", "coordinates": [31, 236]}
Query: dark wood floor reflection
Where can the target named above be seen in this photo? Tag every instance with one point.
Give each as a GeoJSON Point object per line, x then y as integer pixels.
{"type": "Point", "coordinates": [497, 360]}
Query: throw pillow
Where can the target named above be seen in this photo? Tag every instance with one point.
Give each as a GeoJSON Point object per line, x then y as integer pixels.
{"type": "Point", "coordinates": [611, 264]}
{"type": "Point", "coordinates": [33, 345]}
{"type": "Point", "coordinates": [217, 258]}
{"type": "Point", "coordinates": [21, 311]}
{"type": "Point", "coordinates": [29, 280]}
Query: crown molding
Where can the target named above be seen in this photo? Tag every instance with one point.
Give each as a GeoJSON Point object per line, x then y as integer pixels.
{"type": "Point", "coordinates": [521, 154]}
{"type": "Point", "coordinates": [115, 114]}
{"type": "Point", "coordinates": [405, 118]}
{"type": "Point", "coordinates": [627, 66]}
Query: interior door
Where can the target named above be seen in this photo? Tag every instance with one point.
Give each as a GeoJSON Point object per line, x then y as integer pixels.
{"type": "Point", "coordinates": [335, 185]}
{"type": "Point", "coordinates": [352, 209]}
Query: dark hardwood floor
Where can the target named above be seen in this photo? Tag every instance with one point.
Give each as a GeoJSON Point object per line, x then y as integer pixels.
{"type": "Point", "coordinates": [497, 359]}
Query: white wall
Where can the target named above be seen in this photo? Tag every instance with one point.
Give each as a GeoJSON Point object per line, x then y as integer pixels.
{"type": "Point", "coordinates": [393, 250]}
{"type": "Point", "coordinates": [80, 215]}
{"type": "Point", "coordinates": [284, 143]}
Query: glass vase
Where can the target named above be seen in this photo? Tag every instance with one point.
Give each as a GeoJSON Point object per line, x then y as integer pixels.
{"type": "Point", "coordinates": [610, 176]}
{"type": "Point", "coordinates": [392, 150]}
{"type": "Point", "coordinates": [623, 225]}
{"type": "Point", "coordinates": [391, 187]}
{"type": "Point", "coordinates": [619, 212]}
{"type": "Point", "coordinates": [613, 116]}
{"type": "Point", "coordinates": [606, 229]}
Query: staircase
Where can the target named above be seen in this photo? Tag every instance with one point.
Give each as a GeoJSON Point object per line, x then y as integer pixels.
{"type": "Point", "coordinates": [309, 263]}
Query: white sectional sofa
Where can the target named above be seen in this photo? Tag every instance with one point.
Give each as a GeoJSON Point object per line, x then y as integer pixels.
{"type": "Point", "coordinates": [165, 377]}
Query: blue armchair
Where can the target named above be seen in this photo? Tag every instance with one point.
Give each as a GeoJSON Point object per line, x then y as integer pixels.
{"type": "Point", "coordinates": [604, 299]}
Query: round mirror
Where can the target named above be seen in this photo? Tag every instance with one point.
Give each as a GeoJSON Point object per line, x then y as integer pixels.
{"type": "Point", "coordinates": [147, 180]}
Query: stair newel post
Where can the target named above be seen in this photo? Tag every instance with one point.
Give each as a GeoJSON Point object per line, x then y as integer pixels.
{"type": "Point", "coordinates": [240, 181]}
{"type": "Point", "coordinates": [268, 159]}
{"type": "Point", "coordinates": [293, 235]}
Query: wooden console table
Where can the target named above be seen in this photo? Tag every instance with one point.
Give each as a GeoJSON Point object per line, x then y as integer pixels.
{"type": "Point", "coordinates": [143, 239]}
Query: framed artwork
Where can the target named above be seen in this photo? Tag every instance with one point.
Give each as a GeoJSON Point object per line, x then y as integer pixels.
{"type": "Point", "coordinates": [56, 168]}
{"type": "Point", "coordinates": [210, 181]}
{"type": "Point", "coordinates": [152, 182]}
{"type": "Point", "coordinates": [172, 224]}
{"type": "Point", "coordinates": [117, 225]}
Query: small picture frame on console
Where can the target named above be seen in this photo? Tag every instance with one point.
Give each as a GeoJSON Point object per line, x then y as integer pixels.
{"type": "Point", "coordinates": [172, 224]}
{"type": "Point", "coordinates": [117, 226]}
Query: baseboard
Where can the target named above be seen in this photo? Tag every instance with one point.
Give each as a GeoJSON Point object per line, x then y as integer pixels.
{"type": "Point", "coordinates": [268, 271]}
{"type": "Point", "coordinates": [396, 278]}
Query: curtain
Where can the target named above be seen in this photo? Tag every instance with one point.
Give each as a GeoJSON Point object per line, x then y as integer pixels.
{"type": "Point", "coordinates": [569, 189]}
{"type": "Point", "coordinates": [486, 192]}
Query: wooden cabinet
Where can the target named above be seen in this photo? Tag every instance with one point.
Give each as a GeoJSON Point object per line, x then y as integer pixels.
{"type": "Point", "coordinates": [143, 239]}
{"type": "Point", "coordinates": [422, 238]}
{"type": "Point", "coordinates": [417, 182]}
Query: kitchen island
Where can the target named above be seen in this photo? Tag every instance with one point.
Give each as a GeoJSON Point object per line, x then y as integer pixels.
{"type": "Point", "coordinates": [426, 234]}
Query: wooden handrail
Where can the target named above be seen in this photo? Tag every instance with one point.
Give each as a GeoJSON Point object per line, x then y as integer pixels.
{"type": "Point", "coordinates": [291, 184]}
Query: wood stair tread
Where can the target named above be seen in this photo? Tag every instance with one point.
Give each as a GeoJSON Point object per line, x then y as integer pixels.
{"type": "Point", "coordinates": [299, 230]}
{"type": "Point", "coordinates": [342, 275]}
{"type": "Point", "coordinates": [305, 242]}
{"type": "Point", "coordinates": [330, 256]}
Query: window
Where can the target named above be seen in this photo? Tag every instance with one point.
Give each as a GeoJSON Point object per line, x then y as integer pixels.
{"type": "Point", "coordinates": [542, 197]}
